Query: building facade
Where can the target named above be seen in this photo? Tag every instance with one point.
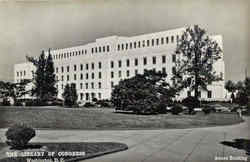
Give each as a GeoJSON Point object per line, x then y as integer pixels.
{"type": "Point", "coordinates": [96, 67]}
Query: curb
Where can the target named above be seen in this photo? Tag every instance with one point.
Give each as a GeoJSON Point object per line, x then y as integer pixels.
{"type": "Point", "coordinates": [123, 148]}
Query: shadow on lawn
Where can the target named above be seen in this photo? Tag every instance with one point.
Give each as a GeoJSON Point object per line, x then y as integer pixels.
{"type": "Point", "coordinates": [241, 144]}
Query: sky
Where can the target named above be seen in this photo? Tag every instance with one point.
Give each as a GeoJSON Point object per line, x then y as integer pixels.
{"type": "Point", "coordinates": [29, 26]}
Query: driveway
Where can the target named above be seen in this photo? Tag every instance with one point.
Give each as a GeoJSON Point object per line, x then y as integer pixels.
{"type": "Point", "coordinates": [171, 145]}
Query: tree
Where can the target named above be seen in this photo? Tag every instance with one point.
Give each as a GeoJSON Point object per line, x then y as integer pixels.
{"type": "Point", "coordinates": [143, 93]}
{"type": "Point", "coordinates": [196, 53]}
{"type": "Point", "coordinates": [70, 95]}
{"type": "Point", "coordinates": [231, 87]}
{"type": "Point", "coordinates": [14, 90]}
{"type": "Point", "coordinates": [44, 77]}
{"type": "Point", "coordinates": [243, 92]}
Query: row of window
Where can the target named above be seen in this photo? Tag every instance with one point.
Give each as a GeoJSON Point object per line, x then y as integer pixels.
{"type": "Point", "coordinates": [80, 67]}
{"type": "Point", "coordinates": [80, 76]}
{"type": "Point", "coordinates": [146, 43]}
{"type": "Point", "coordinates": [87, 86]}
{"type": "Point", "coordinates": [145, 61]}
{"type": "Point", "coordinates": [209, 94]}
{"type": "Point", "coordinates": [20, 73]}
{"type": "Point", "coordinates": [100, 49]}
{"type": "Point", "coordinates": [69, 54]}
{"type": "Point", "coordinates": [120, 47]}
{"type": "Point", "coordinates": [112, 63]}
{"type": "Point", "coordinates": [89, 96]}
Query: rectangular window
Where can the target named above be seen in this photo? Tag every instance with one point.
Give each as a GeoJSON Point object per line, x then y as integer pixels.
{"type": "Point", "coordinates": [74, 76]}
{"type": "Point", "coordinates": [86, 85]}
{"type": "Point", "coordinates": [144, 60]}
{"type": "Point", "coordinates": [154, 60]}
{"type": "Point", "coordinates": [128, 62]}
{"type": "Point", "coordinates": [87, 76]}
{"type": "Point", "coordinates": [126, 46]}
{"type": "Point", "coordinates": [67, 68]}
{"type": "Point", "coordinates": [136, 71]}
{"type": "Point", "coordinates": [120, 63]}
{"type": "Point", "coordinates": [92, 66]}
{"type": "Point", "coordinates": [62, 69]}
{"type": "Point", "coordinates": [152, 42]}
{"type": "Point", "coordinates": [136, 61]}
{"type": "Point", "coordinates": [81, 76]}
{"type": "Point", "coordinates": [74, 67]}
{"type": "Point", "coordinates": [67, 77]}
{"type": "Point", "coordinates": [139, 44]}
{"type": "Point", "coordinates": [112, 74]}
{"type": "Point", "coordinates": [166, 40]}
{"type": "Point", "coordinates": [17, 73]}
{"type": "Point", "coordinates": [162, 40]}
{"type": "Point", "coordinates": [157, 41]}
{"type": "Point", "coordinates": [122, 47]}
{"type": "Point", "coordinates": [100, 75]}
{"type": "Point", "coordinates": [163, 59]}
{"type": "Point", "coordinates": [174, 58]}
{"type": "Point", "coordinates": [209, 94]}
{"type": "Point", "coordinates": [127, 73]}
{"type": "Point", "coordinates": [62, 78]}
{"type": "Point", "coordinates": [92, 85]}
{"type": "Point", "coordinates": [118, 47]}
{"type": "Point", "coordinates": [130, 45]}
{"type": "Point", "coordinates": [112, 84]}
{"type": "Point", "coordinates": [95, 49]}
{"type": "Point", "coordinates": [99, 65]}
{"type": "Point", "coordinates": [93, 75]}
{"type": "Point", "coordinates": [87, 66]}
{"type": "Point", "coordinates": [81, 94]}
{"type": "Point", "coordinates": [99, 85]}
{"type": "Point", "coordinates": [172, 39]}
{"type": "Point", "coordinates": [173, 70]}
{"type": "Point", "coordinates": [100, 49]}
{"type": "Point", "coordinates": [62, 86]}
{"type": "Point", "coordinates": [143, 43]}
{"type": "Point", "coordinates": [148, 43]}
{"type": "Point", "coordinates": [164, 70]}
{"type": "Point", "coordinates": [103, 49]}
{"type": "Point", "coordinates": [107, 48]}
{"type": "Point", "coordinates": [80, 85]}
{"type": "Point", "coordinates": [81, 67]}
{"type": "Point", "coordinates": [92, 50]}
{"type": "Point", "coordinates": [120, 73]}
{"type": "Point", "coordinates": [134, 44]}
{"type": "Point", "coordinates": [56, 71]}
{"type": "Point", "coordinates": [112, 64]}
{"type": "Point", "coordinates": [100, 95]}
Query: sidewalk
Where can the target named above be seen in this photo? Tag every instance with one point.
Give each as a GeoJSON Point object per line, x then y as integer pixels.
{"type": "Point", "coordinates": [172, 145]}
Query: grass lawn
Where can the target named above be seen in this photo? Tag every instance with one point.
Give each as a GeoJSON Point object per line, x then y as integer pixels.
{"type": "Point", "coordinates": [75, 151]}
{"type": "Point", "coordinates": [83, 118]}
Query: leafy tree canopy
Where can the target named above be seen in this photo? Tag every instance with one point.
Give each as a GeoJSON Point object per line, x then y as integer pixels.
{"type": "Point", "coordinates": [142, 93]}
{"type": "Point", "coordinates": [196, 53]}
{"type": "Point", "coordinates": [44, 77]}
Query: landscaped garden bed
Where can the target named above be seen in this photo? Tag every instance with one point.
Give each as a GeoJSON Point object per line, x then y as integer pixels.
{"type": "Point", "coordinates": [107, 119]}
{"type": "Point", "coordinates": [61, 152]}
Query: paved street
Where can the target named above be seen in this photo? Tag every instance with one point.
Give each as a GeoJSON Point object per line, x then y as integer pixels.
{"type": "Point", "coordinates": [176, 145]}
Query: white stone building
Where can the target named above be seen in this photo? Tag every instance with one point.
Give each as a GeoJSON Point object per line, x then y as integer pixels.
{"type": "Point", "coordinates": [96, 67]}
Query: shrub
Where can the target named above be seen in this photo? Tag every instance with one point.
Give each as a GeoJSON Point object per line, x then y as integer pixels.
{"type": "Point", "coordinates": [18, 136]}
{"type": "Point", "coordinates": [176, 109]}
{"type": "Point", "coordinates": [89, 104]}
{"type": "Point", "coordinates": [206, 110]}
{"type": "Point", "coordinates": [191, 102]}
{"type": "Point", "coordinates": [162, 108]}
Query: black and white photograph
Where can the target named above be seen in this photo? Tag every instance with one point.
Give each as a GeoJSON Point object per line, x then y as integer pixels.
{"type": "Point", "coordinates": [124, 81]}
